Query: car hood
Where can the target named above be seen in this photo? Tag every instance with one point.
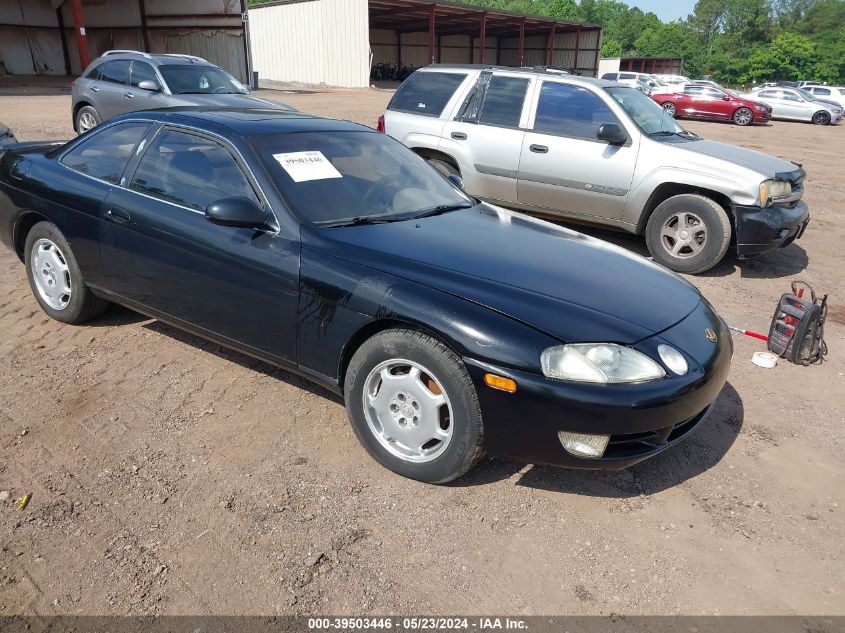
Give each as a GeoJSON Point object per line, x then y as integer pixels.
{"type": "Point", "coordinates": [759, 162]}
{"type": "Point", "coordinates": [566, 284]}
{"type": "Point", "coordinates": [228, 101]}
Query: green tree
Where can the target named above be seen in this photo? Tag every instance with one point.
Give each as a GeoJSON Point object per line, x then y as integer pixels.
{"type": "Point", "coordinates": [788, 56]}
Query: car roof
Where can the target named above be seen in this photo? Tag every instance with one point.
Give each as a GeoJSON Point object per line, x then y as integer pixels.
{"type": "Point", "coordinates": [548, 71]}
{"type": "Point", "coordinates": [247, 121]}
{"type": "Point", "coordinates": [156, 58]}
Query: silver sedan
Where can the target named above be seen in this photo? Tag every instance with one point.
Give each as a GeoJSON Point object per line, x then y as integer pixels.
{"type": "Point", "coordinates": [794, 104]}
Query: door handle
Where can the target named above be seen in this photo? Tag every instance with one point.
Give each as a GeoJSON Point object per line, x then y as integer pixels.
{"type": "Point", "coordinates": [539, 149]}
{"type": "Point", "coordinates": [118, 215]}
{"type": "Point", "coordinates": [95, 89]}
{"type": "Point", "coordinates": [129, 95]}
{"type": "Point", "coordinates": [459, 136]}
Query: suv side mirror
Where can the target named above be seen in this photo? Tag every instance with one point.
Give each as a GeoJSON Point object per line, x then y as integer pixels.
{"type": "Point", "coordinates": [149, 84]}
{"type": "Point", "coordinates": [611, 134]}
{"type": "Point", "coordinates": [236, 212]}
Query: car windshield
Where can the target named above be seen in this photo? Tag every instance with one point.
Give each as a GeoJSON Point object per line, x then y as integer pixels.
{"type": "Point", "coordinates": [200, 79]}
{"type": "Point", "coordinates": [342, 178]}
{"type": "Point", "coordinates": [650, 117]}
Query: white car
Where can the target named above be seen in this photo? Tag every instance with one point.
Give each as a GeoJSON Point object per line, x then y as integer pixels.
{"type": "Point", "coordinates": [650, 84]}
{"type": "Point", "coordinates": [798, 105]}
{"type": "Point", "coordinates": [828, 93]}
{"type": "Point", "coordinates": [673, 80]}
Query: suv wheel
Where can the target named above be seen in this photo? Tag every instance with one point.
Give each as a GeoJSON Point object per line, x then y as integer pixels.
{"type": "Point", "coordinates": [821, 118]}
{"type": "Point", "coordinates": [445, 168]}
{"type": "Point", "coordinates": [743, 116]}
{"type": "Point", "coordinates": [688, 233]}
{"type": "Point", "coordinates": [414, 407]}
{"type": "Point", "coordinates": [87, 119]}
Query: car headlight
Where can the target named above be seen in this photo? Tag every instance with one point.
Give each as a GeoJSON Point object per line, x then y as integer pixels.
{"type": "Point", "coordinates": [760, 108]}
{"type": "Point", "coordinates": [606, 363]}
{"type": "Point", "coordinates": [673, 358]}
{"type": "Point", "coordinates": [773, 189]}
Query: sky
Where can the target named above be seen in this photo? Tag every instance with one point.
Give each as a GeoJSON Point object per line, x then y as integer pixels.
{"type": "Point", "coordinates": [666, 10]}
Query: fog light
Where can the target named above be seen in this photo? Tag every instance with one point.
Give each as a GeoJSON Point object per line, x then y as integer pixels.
{"type": "Point", "coordinates": [583, 444]}
{"type": "Point", "coordinates": [673, 358]}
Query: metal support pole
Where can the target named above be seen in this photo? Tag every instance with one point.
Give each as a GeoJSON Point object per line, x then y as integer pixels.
{"type": "Point", "coordinates": [65, 54]}
{"type": "Point", "coordinates": [522, 42]}
{"type": "Point", "coordinates": [79, 27]}
{"type": "Point", "coordinates": [577, 48]}
{"type": "Point", "coordinates": [399, 49]}
{"type": "Point", "coordinates": [550, 49]}
{"type": "Point", "coordinates": [431, 34]}
{"type": "Point", "coordinates": [483, 37]}
{"type": "Point", "coordinates": [144, 32]}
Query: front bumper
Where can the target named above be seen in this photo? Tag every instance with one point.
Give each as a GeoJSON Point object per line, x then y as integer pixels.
{"type": "Point", "coordinates": [760, 230]}
{"type": "Point", "coordinates": [642, 419]}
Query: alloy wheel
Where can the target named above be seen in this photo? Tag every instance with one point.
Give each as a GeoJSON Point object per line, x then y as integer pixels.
{"type": "Point", "coordinates": [743, 116]}
{"type": "Point", "coordinates": [51, 274]}
{"type": "Point", "coordinates": [670, 108]}
{"type": "Point", "coordinates": [407, 410]}
{"type": "Point", "coordinates": [683, 235]}
{"type": "Point", "coordinates": [86, 122]}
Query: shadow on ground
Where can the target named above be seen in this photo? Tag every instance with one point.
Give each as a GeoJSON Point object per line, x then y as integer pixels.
{"type": "Point", "coordinates": [696, 454]}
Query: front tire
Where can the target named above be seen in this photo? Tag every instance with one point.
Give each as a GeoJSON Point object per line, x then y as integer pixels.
{"type": "Point", "coordinates": [414, 407]}
{"type": "Point", "coordinates": [670, 108]}
{"type": "Point", "coordinates": [688, 233]}
{"type": "Point", "coordinates": [821, 118]}
{"type": "Point", "coordinates": [87, 119]}
{"type": "Point", "coordinates": [743, 116]}
{"type": "Point", "coordinates": [55, 278]}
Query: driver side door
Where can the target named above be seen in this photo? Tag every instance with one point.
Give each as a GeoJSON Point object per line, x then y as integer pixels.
{"type": "Point", "coordinates": [159, 251]}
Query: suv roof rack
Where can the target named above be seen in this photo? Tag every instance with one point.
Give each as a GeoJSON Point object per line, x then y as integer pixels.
{"type": "Point", "coordinates": [126, 51]}
{"type": "Point", "coordinates": [192, 58]}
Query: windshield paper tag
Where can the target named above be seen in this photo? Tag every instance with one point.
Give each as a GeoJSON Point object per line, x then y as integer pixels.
{"type": "Point", "coordinates": [305, 166]}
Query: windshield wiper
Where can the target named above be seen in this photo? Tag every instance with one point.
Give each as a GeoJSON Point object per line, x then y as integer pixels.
{"type": "Point", "coordinates": [662, 133]}
{"type": "Point", "coordinates": [356, 221]}
{"type": "Point", "coordinates": [443, 208]}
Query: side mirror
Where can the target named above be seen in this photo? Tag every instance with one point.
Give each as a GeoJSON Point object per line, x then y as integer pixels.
{"type": "Point", "coordinates": [611, 134]}
{"type": "Point", "coordinates": [457, 181]}
{"type": "Point", "coordinates": [149, 84]}
{"type": "Point", "coordinates": [726, 98]}
{"type": "Point", "coordinates": [236, 212]}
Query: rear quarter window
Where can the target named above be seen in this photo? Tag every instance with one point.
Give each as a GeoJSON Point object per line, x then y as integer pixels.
{"type": "Point", "coordinates": [426, 93]}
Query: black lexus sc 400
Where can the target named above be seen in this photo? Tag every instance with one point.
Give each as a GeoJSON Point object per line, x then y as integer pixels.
{"type": "Point", "coordinates": [451, 327]}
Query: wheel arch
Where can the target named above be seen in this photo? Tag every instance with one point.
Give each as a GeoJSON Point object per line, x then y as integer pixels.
{"type": "Point", "coordinates": [23, 226]}
{"type": "Point", "coordinates": [667, 190]}
{"type": "Point", "coordinates": [76, 108]}
{"type": "Point", "coordinates": [430, 154]}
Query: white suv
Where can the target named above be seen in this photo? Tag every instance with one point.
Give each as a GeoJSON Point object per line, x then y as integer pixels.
{"type": "Point", "coordinates": [596, 151]}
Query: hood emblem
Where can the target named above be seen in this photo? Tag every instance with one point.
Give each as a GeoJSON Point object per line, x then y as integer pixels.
{"type": "Point", "coordinates": [711, 335]}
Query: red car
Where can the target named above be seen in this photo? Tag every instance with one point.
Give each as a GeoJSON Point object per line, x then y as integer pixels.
{"type": "Point", "coordinates": [705, 102]}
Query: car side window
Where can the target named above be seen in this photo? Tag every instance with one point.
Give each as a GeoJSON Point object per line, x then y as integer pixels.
{"type": "Point", "coordinates": [768, 94]}
{"type": "Point", "coordinates": [141, 71]}
{"type": "Point", "coordinates": [791, 96]}
{"type": "Point", "coordinates": [821, 91]}
{"type": "Point", "coordinates": [609, 76]}
{"type": "Point", "coordinates": [627, 76]}
{"type": "Point", "coordinates": [693, 90]}
{"type": "Point", "coordinates": [190, 170]}
{"type": "Point", "coordinates": [572, 111]}
{"type": "Point", "coordinates": [503, 101]}
{"type": "Point", "coordinates": [95, 72]}
{"type": "Point", "coordinates": [426, 93]}
{"type": "Point", "coordinates": [106, 152]}
{"type": "Point", "coordinates": [115, 71]}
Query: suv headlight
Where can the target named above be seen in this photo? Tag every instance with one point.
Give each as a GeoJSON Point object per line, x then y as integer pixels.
{"type": "Point", "coordinates": [606, 363]}
{"type": "Point", "coordinates": [773, 189]}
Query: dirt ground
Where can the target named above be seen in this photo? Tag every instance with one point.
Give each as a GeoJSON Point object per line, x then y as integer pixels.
{"type": "Point", "coordinates": [170, 476]}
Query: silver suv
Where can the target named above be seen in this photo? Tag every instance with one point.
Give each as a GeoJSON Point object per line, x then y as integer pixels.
{"type": "Point", "coordinates": [599, 152]}
{"type": "Point", "coordinates": [126, 81]}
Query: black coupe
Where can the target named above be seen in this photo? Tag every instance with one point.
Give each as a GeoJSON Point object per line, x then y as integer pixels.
{"type": "Point", "coordinates": [451, 327]}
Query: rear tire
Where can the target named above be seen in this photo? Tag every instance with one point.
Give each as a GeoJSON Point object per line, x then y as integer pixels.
{"type": "Point", "coordinates": [444, 167]}
{"type": "Point", "coordinates": [743, 116]}
{"type": "Point", "coordinates": [55, 278]}
{"type": "Point", "coordinates": [688, 233]}
{"type": "Point", "coordinates": [413, 406]}
{"type": "Point", "coordinates": [821, 118]}
{"type": "Point", "coordinates": [87, 119]}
